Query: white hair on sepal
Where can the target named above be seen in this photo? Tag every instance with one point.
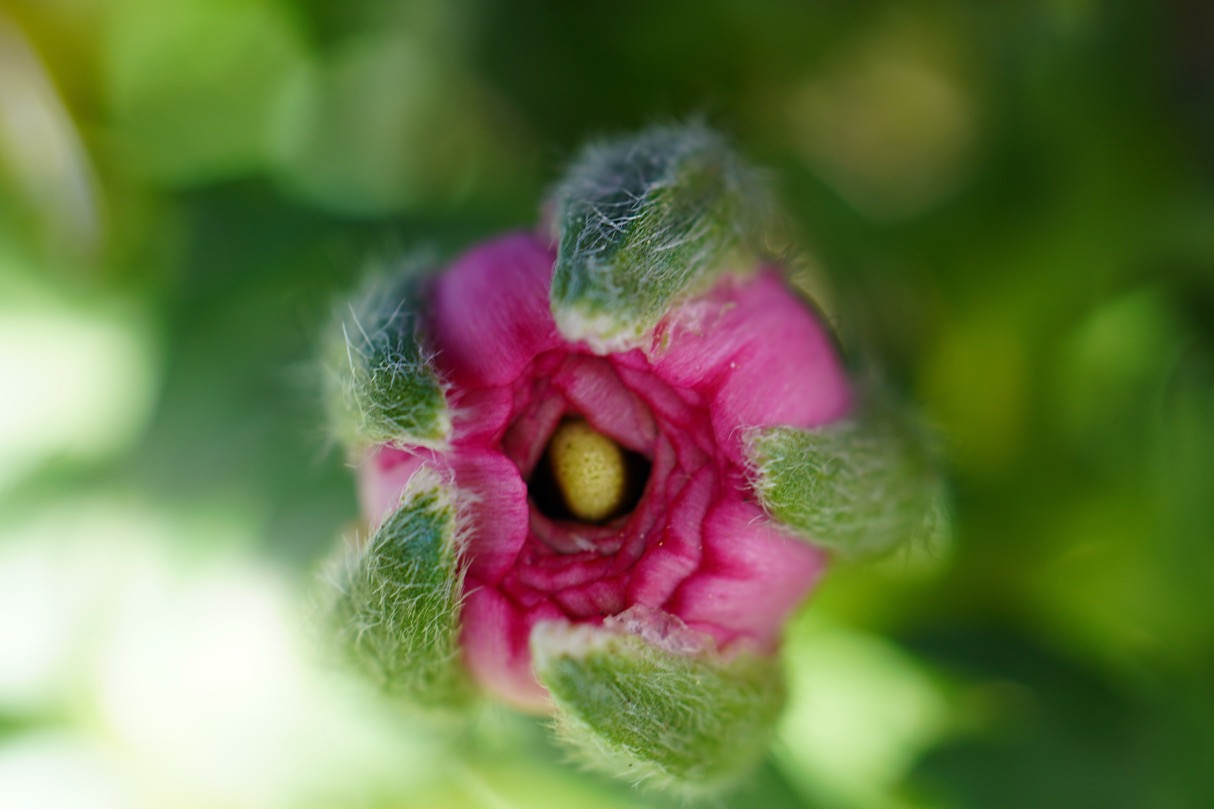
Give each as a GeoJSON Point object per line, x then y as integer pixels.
{"type": "Point", "coordinates": [647, 221]}
{"type": "Point", "coordinates": [658, 705]}
{"type": "Point", "coordinates": [396, 600]}
{"type": "Point", "coordinates": [860, 487]}
{"type": "Point", "coordinates": [382, 385]}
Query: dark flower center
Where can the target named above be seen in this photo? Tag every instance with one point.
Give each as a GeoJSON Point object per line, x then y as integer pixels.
{"type": "Point", "coordinates": [587, 477]}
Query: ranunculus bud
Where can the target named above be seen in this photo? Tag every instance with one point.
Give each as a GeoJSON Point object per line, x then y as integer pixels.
{"type": "Point", "coordinates": [601, 474]}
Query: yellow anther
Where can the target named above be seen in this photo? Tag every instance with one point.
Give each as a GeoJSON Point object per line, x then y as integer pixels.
{"type": "Point", "coordinates": [589, 469]}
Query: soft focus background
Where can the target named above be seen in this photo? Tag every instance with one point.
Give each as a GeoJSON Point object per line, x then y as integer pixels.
{"type": "Point", "coordinates": [1013, 203]}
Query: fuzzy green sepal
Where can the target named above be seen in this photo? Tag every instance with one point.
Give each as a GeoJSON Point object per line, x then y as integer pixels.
{"type": "Point", "coordinates": [382, 386]}
{"type": "Point", "coordinates": [645, 221]}
{"type": "Point", "coordinates": [636, 706]}
{"type": "Point", "coordinates": [859, 487]}
{"type": "Point", "coordinates": [398, 598]}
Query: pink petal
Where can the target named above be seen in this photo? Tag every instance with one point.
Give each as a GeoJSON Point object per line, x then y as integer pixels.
{"type": "Point", "coordinates": [496, 511]}
{"type": "Point", "coordinates": [667, 405]}
{"type": "Point", "coordinates": [490, 311]}
{"type": "Point", "coordinates": [481, 415]}
{"type": "Point", "coordinates": [695, 342]}
{"type": "Point", "coordinates": [520, 594]}
{"type": "Point", "coordinates": [550, 573]}
{"type": "Point", "coordinates": [594, 390]}
{"type": "Point", "coordinates": [762, 356]}
{"type": "Point", "coordinates": [634, 359]}
{"type": "Point", "coordinates": [677, 554]}
{"type": "Point", "coordinates": [694, 448]}
{"type": "Point", "coordinates": [525, 440]}
{"type": "Point", "coordinates": [494, 638]}
{"type": "Point", "coordinates": [382, 478]}
{"type": "Point", "coordinates": [751, 578]}
{"type": "Point", "coordinates": [595, 600]}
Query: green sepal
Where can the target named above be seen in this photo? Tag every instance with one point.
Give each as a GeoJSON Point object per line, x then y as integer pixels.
{"type": "Point", "coordinates": [382, 386]}
{"type": "Point", "coordinates": [658, 705]}
{"type": "Point", "coordinates": [647, 220]}
{"type": "Point", "coordinates": [396, 611]}
{"type": "Point", "coordinates": [859, 487]}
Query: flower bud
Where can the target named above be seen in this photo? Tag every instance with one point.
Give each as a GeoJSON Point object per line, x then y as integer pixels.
{"type": "Point", "coordinates": [601, 478]}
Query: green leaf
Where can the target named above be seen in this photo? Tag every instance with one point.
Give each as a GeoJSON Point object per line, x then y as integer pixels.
{"type": "Point", "coordinates": [645, 221]}
{"type": "Point", "coordinates": [857, 487]}
{"type": "Point", "coordinates": [382, 386]}
{"type": "Point", "coordinates": [646, 698]}
{"type": "Point", "coordinates": [398, 599]}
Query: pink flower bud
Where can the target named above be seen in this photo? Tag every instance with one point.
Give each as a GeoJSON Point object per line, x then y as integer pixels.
{"type": "Point", "coordinates": [688, 538]}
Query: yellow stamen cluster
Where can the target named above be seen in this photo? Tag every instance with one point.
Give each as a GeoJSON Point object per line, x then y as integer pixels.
{"type": "Point", "coordinates": [590, 470]}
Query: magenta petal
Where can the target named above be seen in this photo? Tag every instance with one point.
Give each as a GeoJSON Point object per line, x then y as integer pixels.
{"type": "Point", "coordinates": [490, 311]}
{"type": "Point", "coordinates": [558, 572]}
{"type": "Point", "coordinates": [695, 342]}
{"type": "Point", "coordinates": [382, 478]}
{"type": "Point", "coordinates": [665, 403]}
{"type": "Point", "coordinates": [676, 555]}
{"type": "Point", "coordinates": [497, 510]}
{"type": "Point", "coordinates": [751, 578]}
{"type": "Point", "coordinates": [594, 390]}
{"type": "Point", "coordinates": [525, 440]}
{"type": "Point", "coordinates": [495, 638]}
{"type": "Point", "coordinates": [481, 415]}
{"type": "Point", "coordinates": [762, 355]}
{"type": "Point", "coordinates": [595, 600]}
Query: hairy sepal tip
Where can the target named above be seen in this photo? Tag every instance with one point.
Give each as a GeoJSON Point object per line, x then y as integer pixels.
{"type": "Point", "coordinates": [382, 385]}
{"type": "Point", "coordinates": [398, 597]}
{"type": "Point", "coordinates": [646, 221]}
{"type": "Point", "coordinates": [861, 487]}
{"type": "Point", "coordinates": [645, 698]}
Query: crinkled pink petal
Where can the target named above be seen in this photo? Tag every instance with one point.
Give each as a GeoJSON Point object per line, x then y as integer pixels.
{"type": "Point", "coordinates": [677, 554]}
{"type": "Point", "coordinates": [495, 637]}
{"type": "Point", "coordinates": [521, 594]}
{"type": "Point", "coordinates": [594, 390]}
{"type": "Point", "coordinates": [525, 440]}
{"type": "Point", "coordinates": [382, 478]}
{"type": "Point", "coordinates": [598, 599]}
{"type": "Point", "coordinates": [666, 404]}
{"type": "Point", "coordinates": [552, 573]}
{"type": "Point", "coordinates": [490, 311]}
{"type": "Point", "coordinates": [498, 509]}
{"type": "Point", "coordinates": [693, 448]}
{"type": "Point", "coordinates": [751, 578]}
{"type": "Point", "coordinates": [760, 354]}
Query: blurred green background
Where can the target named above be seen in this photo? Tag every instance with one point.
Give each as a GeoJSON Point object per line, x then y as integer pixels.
{"type": "Point", "coordinates": [1012, 204]}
